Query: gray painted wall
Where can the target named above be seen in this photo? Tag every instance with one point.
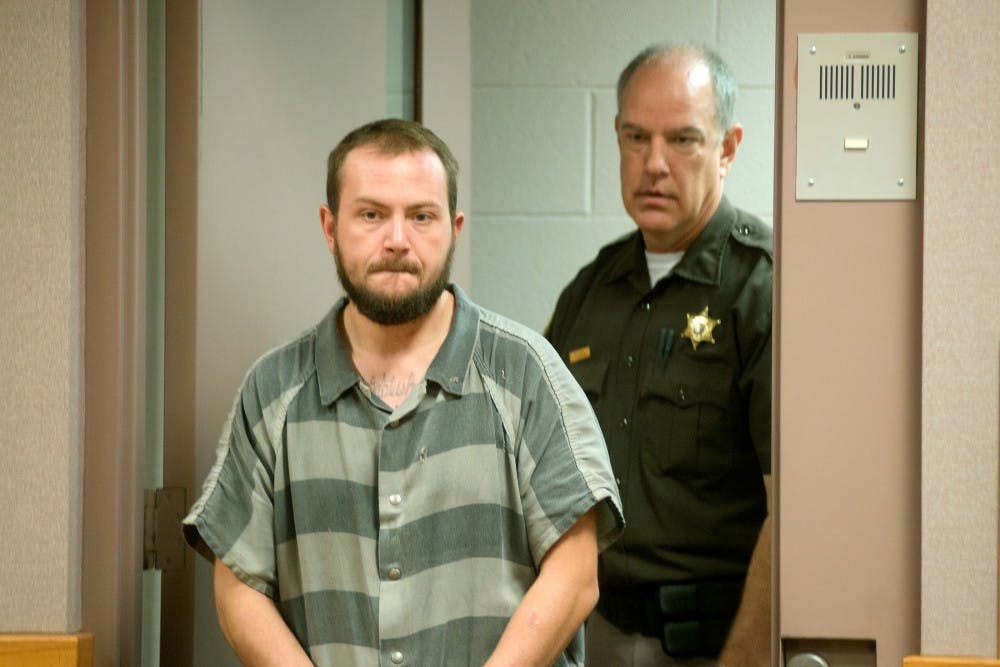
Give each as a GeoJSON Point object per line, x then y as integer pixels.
{"type": "Point", "coordinates": [545, 192]}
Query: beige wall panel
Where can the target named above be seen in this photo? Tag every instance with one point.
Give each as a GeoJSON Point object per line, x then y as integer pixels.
{"type": "Point", "coordinates": [961, 330]}
{"type": "Point", "coordinates": [41, 301]}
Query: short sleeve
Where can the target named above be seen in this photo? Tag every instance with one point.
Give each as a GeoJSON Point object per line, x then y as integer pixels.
{"type": "Point", "coordinates": [562, 458]}
{"type": "Point", "coordinates": [233, 518]}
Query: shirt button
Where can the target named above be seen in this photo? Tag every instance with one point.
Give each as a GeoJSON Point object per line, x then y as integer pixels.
{"type": "Point", "coordinates": [629, 361]}
{"type": "Point", "coordinates": [683, 395]}
{"type": "Point", "coordinates": [394, 573]}
{"type": "Point", "coordinates": [396, 657]}
{"type": "Point", "coordinates": [624, 422]}
{"type": "Point", "coordinates": [618, 481]}
{"type": "Point", "coordinates": [395, 499]}
{"type": "Point", "coordinates": [646, 305]}
{"type": "Point", "coordinates": [394, 423]}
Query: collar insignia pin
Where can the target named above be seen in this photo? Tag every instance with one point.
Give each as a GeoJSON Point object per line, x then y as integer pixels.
{"type": "Point", "coordinates": [699, 328]}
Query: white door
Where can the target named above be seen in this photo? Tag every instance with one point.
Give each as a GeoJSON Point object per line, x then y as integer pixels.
{"type": "Point", "coordinates": [281, 83]}
{"type": "Point", "coordinates": [278, 85]}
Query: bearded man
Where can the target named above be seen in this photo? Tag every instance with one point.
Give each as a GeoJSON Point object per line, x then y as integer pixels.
{"type": "Point", "coordinates": [416, 480]}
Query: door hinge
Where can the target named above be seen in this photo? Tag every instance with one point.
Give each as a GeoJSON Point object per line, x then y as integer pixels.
{"type": "Point", "coordinates": [163, 542]}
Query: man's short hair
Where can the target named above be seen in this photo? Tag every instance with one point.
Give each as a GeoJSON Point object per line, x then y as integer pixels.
{"type": "Point", "coordinates": [390, 136]}
{"type": "Point", "coordinates": [723, 81]}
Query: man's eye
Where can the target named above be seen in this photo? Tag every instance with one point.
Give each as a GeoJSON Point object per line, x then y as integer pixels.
{"type": "Point", "coordinates": [369, 215]}
{"type": "Point", "coordinates": [634, 140]}
{"type": "Point", "coordinates": [686, 140]}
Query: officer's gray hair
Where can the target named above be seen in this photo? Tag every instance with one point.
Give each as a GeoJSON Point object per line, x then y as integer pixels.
{"type": "Point", "coordinates": [723, 81]}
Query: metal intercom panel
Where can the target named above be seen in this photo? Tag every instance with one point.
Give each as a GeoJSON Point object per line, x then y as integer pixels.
{"type": "Point", "coordinates": [857, 116]}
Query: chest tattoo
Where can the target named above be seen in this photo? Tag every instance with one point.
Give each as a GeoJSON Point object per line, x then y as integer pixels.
{"type": "Point", "coordinates": [389, 385]}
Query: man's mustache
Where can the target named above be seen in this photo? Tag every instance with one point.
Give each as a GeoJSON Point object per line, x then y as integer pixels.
{"type": "Point", "coordinates": [394, 265]}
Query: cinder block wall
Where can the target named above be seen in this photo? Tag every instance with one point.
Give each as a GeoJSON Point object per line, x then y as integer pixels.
{"type": "Point", "coordinates": [545, 188]}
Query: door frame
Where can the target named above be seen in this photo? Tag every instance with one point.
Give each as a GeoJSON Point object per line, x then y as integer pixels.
{"type": "Point", "coordinates": [114, 346]}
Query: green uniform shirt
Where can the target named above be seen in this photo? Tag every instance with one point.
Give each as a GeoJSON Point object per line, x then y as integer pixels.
{"type": "Point", "coordinates": [688, 430]}
{"type": "Point", "coordinates": [404, 536]}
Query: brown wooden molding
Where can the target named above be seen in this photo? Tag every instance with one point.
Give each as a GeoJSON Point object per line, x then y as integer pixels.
{"type": "Point", "coordinates": [47, 650]}
{"type": "Point", "coordinates": [937, 661]}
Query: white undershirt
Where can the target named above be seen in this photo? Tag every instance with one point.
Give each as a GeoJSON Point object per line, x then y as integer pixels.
{"type": "Point", "coordinates": [660, 264]}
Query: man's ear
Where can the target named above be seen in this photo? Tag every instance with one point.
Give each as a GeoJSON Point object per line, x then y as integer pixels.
{"type": "Point", "coordinates": [730, 142]}
{"type": "Point", "coordinates": [328, 221]}
{"type": "Point", "coordinates": [458, 223]}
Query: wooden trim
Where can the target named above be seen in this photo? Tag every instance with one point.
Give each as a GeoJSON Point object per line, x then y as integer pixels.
{"type": "Point", "coordinates": [777, 229]}
{"type": "Point", "coordinates": [47, 650]}
{"type": "Point", "coordinates": [937, 661]}
{"type": "Point", "coordinates": [180, 308]}
{"type": "Point", "coordinates": [418, 61]}
{"type": "Point", "coordinates": [115, 329]}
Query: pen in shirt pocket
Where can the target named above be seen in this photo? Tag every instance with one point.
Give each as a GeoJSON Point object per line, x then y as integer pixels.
{"type": "Point", "coordinates": [666, 344]}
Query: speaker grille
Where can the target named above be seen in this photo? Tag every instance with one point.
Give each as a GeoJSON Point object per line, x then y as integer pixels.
{"type": "Point", "coordinates": [878, 82]}
{"type": "Point", "coordinates": [871, 82]}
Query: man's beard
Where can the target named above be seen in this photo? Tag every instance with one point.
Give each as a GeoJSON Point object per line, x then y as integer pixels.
{"type": "Point", "coordinates": [390, 310]}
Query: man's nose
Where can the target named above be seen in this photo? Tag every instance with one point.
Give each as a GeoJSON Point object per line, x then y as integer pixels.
{"type": "Point", "coordinates": [656, 158]}
{"type": "Point", "coordinates": [397, 238]}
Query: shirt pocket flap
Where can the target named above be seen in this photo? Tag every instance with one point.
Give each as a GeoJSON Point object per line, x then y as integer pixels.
{"type": "Point", "coordinates": [698, 385]}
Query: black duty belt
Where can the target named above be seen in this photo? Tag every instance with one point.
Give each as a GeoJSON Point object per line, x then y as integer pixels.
{"type": "Point", "coordinates": [689, 618]}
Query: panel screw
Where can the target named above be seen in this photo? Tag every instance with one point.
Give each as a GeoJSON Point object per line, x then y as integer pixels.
{"type": "Point", "coordinates": [812, 49]}
{"type": "Point", "coordinates": [902, 48]}
{"type": "Point", "coordinates": [811, 182]}
{"type": "Point", "coordinates": [900, 182]}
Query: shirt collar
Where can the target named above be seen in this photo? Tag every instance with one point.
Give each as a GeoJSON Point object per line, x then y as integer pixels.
{"type": "Point", "coordinates": [334, 369]}
{"type": "Point", "coordinates": [451, 364]}
{"type": "Point", "coordinates": [336, 372]}
{"type": "Point", "coordinates": [701, 263]}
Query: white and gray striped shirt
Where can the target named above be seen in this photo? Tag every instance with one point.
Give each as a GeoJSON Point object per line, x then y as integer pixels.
{"type": "Point", "coordinates": [408, 535]}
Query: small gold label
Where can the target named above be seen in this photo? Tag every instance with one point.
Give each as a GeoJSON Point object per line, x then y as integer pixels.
{"type": "Point", "coordinates": [579, 354]}
{"type": "Point", "coordinates": [699, 328]}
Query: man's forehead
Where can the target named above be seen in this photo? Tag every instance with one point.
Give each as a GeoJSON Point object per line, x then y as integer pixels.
{"type": "Point", "coordinates": [677, 75]}
{"type": "Point", "coordinates": [371, 159]}
{"type": "Point", "coordinates": [377, 151]}
{"type": "Point", "coordinates": [662, 90]}
{"type": "Point", "coordinates": [699, 76]}
{"type": "Point", "coordinates": [370, 174]}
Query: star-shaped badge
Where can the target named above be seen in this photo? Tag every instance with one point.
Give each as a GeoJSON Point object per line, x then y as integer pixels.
{"type": "Point", "coordinates": [699, 328]}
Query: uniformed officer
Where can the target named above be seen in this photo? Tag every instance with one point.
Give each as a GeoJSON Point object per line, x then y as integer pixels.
{"type": "Point", "coordinates": [668, 331]}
